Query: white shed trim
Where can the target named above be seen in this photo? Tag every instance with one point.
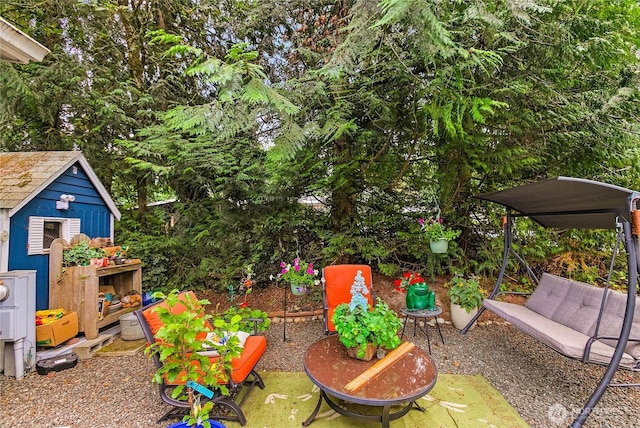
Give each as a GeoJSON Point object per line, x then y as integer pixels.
{"type": "Point", "coordinates": [16, 46]}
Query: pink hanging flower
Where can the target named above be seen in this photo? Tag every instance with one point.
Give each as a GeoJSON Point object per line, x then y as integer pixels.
{"type": "Point", "coordinates": [300, 272]}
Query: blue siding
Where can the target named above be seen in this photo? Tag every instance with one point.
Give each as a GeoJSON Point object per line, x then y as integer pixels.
{"type": "Point", "coordinates": [95, 221]}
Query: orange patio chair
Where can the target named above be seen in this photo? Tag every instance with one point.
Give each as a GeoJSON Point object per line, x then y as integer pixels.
{"type": "Point", "coordinates": [240, 381]}
{"type": "Point", "coordinates": [336, 289]}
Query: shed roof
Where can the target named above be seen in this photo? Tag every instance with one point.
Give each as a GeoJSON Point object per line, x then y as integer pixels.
{"type": "Point", "coordinates": [23, 175]}
{"type": "Point", "coordinates": [567, 202]}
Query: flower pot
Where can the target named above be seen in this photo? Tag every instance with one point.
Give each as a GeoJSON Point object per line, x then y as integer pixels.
{"type": "Point", "coordinates": [460, 317]}
{"type": "Point", "coordinates": [440, 246]}
{"type": "Point", "coordinates": [214, 424]}
{"type": "Point", "coordinates": [417, 297]}
{"type": "Point", "coordinates": [368, 353]}
{"type": "Point", "coordinates": [298, 290]}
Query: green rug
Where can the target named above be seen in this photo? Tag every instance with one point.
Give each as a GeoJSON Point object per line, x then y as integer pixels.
{"type": "Point", "coordinates": [455, 401]}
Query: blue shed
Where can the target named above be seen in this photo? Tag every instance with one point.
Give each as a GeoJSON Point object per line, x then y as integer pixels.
{"type": "Point", "coordinates": [44, 196]}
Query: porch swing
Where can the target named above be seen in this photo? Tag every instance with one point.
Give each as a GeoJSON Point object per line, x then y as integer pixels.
{"type": "Point", "coordinates": [580, 321]}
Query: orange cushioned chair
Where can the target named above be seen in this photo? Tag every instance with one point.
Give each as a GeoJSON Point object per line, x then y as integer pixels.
{"type": "Point", "coordinates": [240, 381]}
{"type": "Point", "coordinates": [336, 289]}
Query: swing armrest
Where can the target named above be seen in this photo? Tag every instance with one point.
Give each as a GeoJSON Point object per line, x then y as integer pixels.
{"type": "Point", "coordinates": [587, 348]}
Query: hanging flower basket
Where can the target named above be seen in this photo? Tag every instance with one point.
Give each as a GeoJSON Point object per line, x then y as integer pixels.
{"type": "Point", "coordinates": [440, 246]}
{"type": "Point", "coordinates": [301, 276]}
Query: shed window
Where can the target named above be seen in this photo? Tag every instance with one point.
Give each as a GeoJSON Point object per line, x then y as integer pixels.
{"type": "Point", "coordinates": [52, 230]}
{"type": "Point", "coordinates": [44, 230]}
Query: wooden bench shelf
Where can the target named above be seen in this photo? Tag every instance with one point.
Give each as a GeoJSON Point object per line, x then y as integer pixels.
{"type": "Point", "coordinates": [76, 289]}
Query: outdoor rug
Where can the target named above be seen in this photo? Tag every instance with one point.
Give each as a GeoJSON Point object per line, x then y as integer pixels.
{"type": "Point", "coordinates": [455, 401]}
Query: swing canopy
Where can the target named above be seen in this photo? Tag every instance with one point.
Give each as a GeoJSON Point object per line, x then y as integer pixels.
{"type": "Point", "coordinates": [567, 202]}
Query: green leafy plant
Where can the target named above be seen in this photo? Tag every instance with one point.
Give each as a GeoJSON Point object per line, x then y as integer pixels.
{"type": "Point", "coordinates": [435, 230]}
{"type": "Point", "coordinates": [300, 272]}
{"type": "Point", "coordinates": [81, 255]}
{"type": "Point", "coordinates": [359, 326]}
{"type": "Point", "coordinates": [465, 292]}
{"type": "Point", "coordinates": [252, 319]}
{"type": "Point", "coordinates": [181, 341]}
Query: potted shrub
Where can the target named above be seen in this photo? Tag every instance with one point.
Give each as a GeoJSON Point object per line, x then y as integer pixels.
{"type": "Point", "coordinates": [362, 329]}
{"type": "Point", "coordinates": [466, 297]}
{"type": "Point", "coordinates": [183, 341]}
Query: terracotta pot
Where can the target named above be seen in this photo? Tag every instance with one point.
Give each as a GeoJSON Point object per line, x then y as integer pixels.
{"type": "Point", "coordinates": [368, 353]}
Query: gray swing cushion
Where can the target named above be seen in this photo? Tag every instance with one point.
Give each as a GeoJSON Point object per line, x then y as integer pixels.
{"type": "Point", "coordinates": [562, 314]}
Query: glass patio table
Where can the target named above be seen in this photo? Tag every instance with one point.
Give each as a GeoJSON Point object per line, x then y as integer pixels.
{"type": "Point", "coordinates": [388, 396]}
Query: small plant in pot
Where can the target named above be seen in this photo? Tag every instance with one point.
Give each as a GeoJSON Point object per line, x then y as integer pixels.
{"type": "Point", "coordinates": [362, 329]}
{"type": "Point", "coordinates": [81, 255]}
{"type": "Point", "coordinates": [183, 343]}
{"type": "Point", "coordinates": [466, 297]}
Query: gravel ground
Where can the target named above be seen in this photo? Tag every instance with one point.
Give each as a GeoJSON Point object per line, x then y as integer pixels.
{"type": "Point", "coordinates": [545, 388]}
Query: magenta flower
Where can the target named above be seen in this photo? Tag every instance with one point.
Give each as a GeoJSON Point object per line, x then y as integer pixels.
{"type": "Point", "coordinates": [421, 221]}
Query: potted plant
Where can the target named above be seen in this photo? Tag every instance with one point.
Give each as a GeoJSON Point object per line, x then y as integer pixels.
{"type": "Point", "coordinates": [301, 275]}
{"type": "Point", "coordinates": [183, 342]}
{"type": "Point", "coordinates": [362, 329]}
{"type": "Point", "coordinates": [81, 255]}
{"type": "Point", "coordinates": [466, 297]}
{"type": "Point", "coordinates": [438, 235]}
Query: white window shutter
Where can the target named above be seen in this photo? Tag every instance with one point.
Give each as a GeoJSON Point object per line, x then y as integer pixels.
{"type": "Point", "coordinates": [74, 228]}
{"type": "Point", "coordinates": [35, 239]}
{"type": "Point", "coordinates": [35, 235]}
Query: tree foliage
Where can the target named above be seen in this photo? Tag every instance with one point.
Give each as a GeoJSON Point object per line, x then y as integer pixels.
{"type": "Point", "coordinates": [379, 112]}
